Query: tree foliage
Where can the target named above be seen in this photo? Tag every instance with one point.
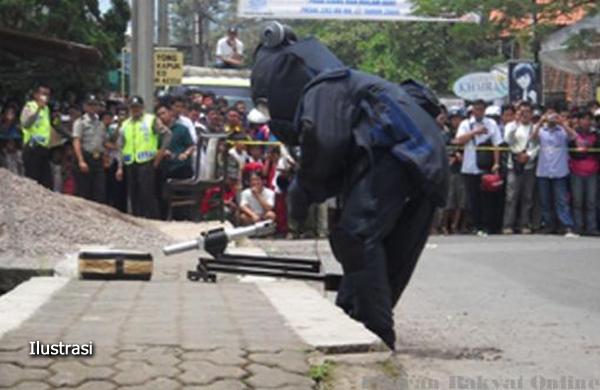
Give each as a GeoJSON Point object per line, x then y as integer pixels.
{"type": "Point", "coordinates": [182, 17]}
{"type": "Point", "coordinates": [213, 15]}
{"type": "Point", "coordinates": [73, 20]}
{"type": "Point", "coordinates": [439, 53]}
{"type": "Point", "coordinates": [216, 16]}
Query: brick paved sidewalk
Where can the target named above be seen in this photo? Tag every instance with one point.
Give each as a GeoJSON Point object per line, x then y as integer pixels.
{"type": "Point", "coordinates": [164, 334]}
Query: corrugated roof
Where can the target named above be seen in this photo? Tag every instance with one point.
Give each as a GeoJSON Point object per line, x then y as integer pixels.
{"type": "Point", "coordinates": [28, 44]}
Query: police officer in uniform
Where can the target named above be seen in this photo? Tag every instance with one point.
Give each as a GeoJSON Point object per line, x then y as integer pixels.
{"type": "Point", "coordinates": [37, 128]}
{"type": "Point", "coordinates": [89, 138]}
{"type": "Point", "coordinates": [141, 155]}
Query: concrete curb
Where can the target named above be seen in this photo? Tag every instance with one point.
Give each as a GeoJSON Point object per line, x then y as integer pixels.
{"type": "Point", "coordinates": [317, 321]}
{"type": "Point", "coordinates": [23, 301]}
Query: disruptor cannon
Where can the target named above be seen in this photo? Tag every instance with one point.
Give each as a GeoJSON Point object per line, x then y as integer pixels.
{"type": "Point", "coordinates": [215, 242]}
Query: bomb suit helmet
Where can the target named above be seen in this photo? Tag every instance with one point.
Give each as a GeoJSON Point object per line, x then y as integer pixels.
{"type": "Point", "coordinates": [283, 66]}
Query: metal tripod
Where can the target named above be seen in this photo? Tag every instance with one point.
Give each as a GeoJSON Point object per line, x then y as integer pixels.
{"type": "Point", "coordinates": [215, 242]}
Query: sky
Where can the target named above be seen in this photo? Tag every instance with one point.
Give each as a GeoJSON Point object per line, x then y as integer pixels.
{"type": "Point", "coordinates": [104, 5]}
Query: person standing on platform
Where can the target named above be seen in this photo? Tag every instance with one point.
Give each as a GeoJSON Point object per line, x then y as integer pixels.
{"type": "Point", "coordinates": [230, 50]}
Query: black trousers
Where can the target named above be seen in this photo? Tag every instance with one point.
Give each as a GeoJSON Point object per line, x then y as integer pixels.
{"type": "Point", "coordinates": [116, 191]}
{"type": "Point", "coordinates": [36, 161]}
{"type": "Point", "coordinates": [383, 227]}
{"type": "Point", "coordinates": [141, 190]}
{"type": "Point", "coordinates": [162, 175]}
{"type": "Point", "coordinates": [482, 205]}
{"type": "Point", "coordinates": [91, 185]}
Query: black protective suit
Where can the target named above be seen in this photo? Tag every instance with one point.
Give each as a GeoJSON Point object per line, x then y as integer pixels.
{"type": "Point", "coordinates": [374, 145]}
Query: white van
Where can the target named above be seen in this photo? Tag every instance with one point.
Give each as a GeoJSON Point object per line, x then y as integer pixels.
{"type": "Point", "coordinates": [232, 84]}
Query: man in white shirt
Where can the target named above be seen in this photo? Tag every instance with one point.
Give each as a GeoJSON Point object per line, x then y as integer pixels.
{"type": "Point", "coordinates": [230, 50]}
{"type": "Point", "coordinates": [180, 109]}
{"type": "Point", "coordinates": [472, 132]}
{"type": "Point", "coordinates": [256, 202]}
{"type": "Point", "coordinates": [521, 164]}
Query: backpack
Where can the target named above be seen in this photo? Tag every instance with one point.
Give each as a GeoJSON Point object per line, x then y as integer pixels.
{"type": "Point", "coordinates": [401, 119]}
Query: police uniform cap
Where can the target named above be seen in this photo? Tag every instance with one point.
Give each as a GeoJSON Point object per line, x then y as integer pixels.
{"type": "Point", "coordinates": [136, 101]}
{"type": "Point", "coordinates": [91, 99]}
{"type": "Point", "coordinates": [455, 112]}
{"type": "Point", "coordinates": [493, 111]}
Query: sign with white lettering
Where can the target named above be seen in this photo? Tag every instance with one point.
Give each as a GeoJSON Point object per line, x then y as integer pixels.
{"type": "Point", "coordinates": [481, 85]}
{"type": "Point", "coordinates": [168, 67]}
{"type": "Point", "coordinates": [336, 9]}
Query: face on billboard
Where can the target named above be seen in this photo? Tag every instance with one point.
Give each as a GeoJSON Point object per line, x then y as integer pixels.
{"type": "Point", "coordinates": [524, 83]}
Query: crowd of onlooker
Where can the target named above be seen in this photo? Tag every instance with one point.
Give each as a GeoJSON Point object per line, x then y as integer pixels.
{"type": "Point", "coordinates": [522, 169]}
{"type": "Point", "coordinates": [514, 169]}
{"type": "Point", "coordinates": [86, 156]}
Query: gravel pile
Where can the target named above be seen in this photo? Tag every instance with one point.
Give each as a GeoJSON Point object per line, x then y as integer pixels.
{"type": "Point", "coordinates": [37, 224]}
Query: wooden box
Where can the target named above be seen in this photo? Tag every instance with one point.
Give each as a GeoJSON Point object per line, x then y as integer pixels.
{"type": "Point", "coordinates": [115, 265]}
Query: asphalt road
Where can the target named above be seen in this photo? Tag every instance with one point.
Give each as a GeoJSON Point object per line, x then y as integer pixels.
{"type": "Point", "coordinates": [497, 312]}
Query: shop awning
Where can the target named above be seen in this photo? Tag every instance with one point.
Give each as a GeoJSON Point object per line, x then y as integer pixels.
{"type": "Point", "coordinates": [31, 45]}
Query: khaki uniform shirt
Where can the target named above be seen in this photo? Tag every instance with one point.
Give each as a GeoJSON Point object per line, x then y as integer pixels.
{"type": "Point", "coordinates": [91, 132]}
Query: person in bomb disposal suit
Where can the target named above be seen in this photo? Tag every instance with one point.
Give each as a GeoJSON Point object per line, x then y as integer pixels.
{"type": "Point", "coordinates": [141, 155]}
{"type": "Point", "coordinates": [373, 144]}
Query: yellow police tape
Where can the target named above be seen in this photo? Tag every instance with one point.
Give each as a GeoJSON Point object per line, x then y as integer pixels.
{"type": "Point", "coordinates": [507, 149]}
{"type": "Point", "coordinates": [251, 143]}
{"type": "Point", "coordinates": [449, 147]}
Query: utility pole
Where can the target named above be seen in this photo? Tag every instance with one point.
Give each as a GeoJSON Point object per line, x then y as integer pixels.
{"type": "Point", "coordinates": [143, 51]}
{"type": "Point", "coordinates": [134, 48]}
{"type": "Point", "coordinates": [535, 47]}
{"type": "Point", "coordinates": [163, 23]}
{"type": "Point", "coordinates": [198, 39]}
{"type": "Point", "coordinates": [205, 40]}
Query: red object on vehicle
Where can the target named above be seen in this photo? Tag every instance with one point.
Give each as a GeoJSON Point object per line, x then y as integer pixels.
{"type": "Point", "coordinates": [491, 182]}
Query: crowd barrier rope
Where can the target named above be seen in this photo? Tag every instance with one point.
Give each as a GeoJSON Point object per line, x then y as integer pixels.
{"type": "Point", "coordinates": [449, 147]}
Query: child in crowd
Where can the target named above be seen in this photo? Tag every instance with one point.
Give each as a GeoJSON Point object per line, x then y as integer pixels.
{"type": "Point", "coordinates": [211, 201]}
{"type": "Point", "coordinates": [11, 156]}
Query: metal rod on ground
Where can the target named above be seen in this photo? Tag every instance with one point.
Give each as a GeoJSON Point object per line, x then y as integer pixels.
{"type": "Point", "coordinates": [215, 241]}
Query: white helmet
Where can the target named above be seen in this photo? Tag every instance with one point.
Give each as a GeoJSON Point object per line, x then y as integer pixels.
{"type": "Point", "coordinates": [257, 117]}
{"type": "Point", "coordinates": [493, 111]}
